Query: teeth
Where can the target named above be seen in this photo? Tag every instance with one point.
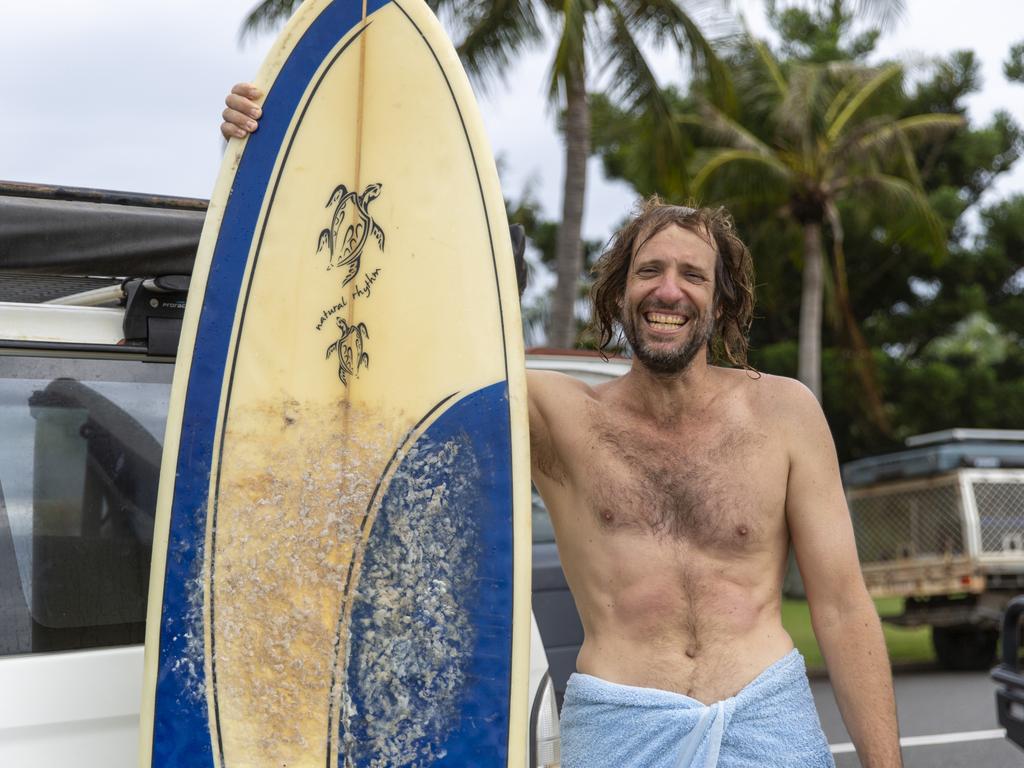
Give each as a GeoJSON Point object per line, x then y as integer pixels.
{"type": "Point", "coordinates": [660, 319]}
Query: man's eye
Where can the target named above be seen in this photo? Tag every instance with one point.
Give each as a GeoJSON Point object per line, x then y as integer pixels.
{"type": "Point", "coordinates": [696, 277]}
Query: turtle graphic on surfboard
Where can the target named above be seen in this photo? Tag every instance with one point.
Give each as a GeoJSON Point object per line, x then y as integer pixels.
{"type": "Point", "coordinates": [345, 248]}
{"type": "Point", "coordinates": [349, 348]}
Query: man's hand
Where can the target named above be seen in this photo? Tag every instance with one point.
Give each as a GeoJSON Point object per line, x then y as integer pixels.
{"type": "Point", "coordinates": [242, 111]}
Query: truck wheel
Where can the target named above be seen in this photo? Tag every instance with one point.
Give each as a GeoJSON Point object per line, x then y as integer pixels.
{"type": "Point", "coordinates": [965, 647]}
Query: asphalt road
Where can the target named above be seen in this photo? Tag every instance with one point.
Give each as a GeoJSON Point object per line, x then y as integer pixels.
{"type": "Point", "coordinates": [955, 709]}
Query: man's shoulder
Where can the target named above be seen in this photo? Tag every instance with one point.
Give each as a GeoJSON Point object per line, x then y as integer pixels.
{"type": "Point", "coordinates": [551, 386]}
{"type": "Point", "coordinates": [771, 394]}
{"type": "Point", "coordinates": [788, 408]}
{"type": "Point", "coordinates": [553, 379]}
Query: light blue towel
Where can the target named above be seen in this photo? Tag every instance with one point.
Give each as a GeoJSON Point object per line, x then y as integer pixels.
{"type": "Point", "coordinates": [771, 723]}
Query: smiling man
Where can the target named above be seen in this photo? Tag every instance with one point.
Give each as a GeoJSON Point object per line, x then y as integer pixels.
{"type": "Point", "coordinates": [675, 492]}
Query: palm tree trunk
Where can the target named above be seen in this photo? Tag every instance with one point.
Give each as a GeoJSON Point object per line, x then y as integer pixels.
{"type": "Point", "coordinates": [569, 256]}
{"type": "Point", "coordinates": [811, 299]}
{"type": "Point", "coordinates": [864, 363]}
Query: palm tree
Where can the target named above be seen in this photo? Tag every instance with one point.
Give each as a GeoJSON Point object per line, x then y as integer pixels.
{"type": "Point", "coordinates": [825, 137]}
{"type": "Point", "coordinates": [592, 36]}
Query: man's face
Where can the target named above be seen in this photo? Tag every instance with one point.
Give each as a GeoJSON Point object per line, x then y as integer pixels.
{"type": "Point", "coordinates": [668, 307]}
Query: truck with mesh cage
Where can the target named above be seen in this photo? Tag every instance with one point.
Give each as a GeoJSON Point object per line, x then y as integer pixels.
{"type": "Point", "coordinates": [941, 525]}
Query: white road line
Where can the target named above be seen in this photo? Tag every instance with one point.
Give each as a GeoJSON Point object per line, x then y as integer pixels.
{"type": "Point", "coordinates": [938, 738]}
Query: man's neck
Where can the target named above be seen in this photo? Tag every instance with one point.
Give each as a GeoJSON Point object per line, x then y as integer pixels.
{"type": "Point", "coordinates": [670, 398]}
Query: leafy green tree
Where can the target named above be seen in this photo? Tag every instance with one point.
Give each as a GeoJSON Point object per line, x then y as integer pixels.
{"type": "Point", "coordinates": [826, 30]}
{"type": "Point", "coordinates": [945, 336]}
{"type": "Point", "coordinates": [903, 292]}
{"type": "Point", "coordinates": [827, 138]}
{"type": "Point", "coordinates": [591, 36]}
{"type": "Point", "coordinates": [975, 339]}
{"type": "Point", "coordinates": [906, 297]}
{"type": "Point", "coordinates": [1013, 67]}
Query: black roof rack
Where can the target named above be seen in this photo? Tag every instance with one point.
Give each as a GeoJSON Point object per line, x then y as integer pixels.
{"type": "Point", "coordinates": [57, 230]}
{"type": "Point", "coordinates": [107, 196]}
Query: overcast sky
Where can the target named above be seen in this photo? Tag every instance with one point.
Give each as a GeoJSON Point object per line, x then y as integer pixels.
{"type": "Point", "coordinates": [126, 94]}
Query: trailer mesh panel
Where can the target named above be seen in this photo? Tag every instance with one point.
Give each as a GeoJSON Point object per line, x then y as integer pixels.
{"type": "Point", "coordinates": [908, 521]}
{"type": "Point", "coordinates": [1000, 515]}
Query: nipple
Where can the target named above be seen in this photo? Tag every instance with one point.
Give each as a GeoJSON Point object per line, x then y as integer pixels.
{"type": "Point", "coordinates": [742, 530]}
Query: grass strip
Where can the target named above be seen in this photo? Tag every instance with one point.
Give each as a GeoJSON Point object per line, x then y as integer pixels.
{"type": "Point", "coordinates": [906, 646]}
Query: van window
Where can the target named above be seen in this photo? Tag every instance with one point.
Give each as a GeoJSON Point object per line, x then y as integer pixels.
{"type": "Point", "coordinates": [79, 467]}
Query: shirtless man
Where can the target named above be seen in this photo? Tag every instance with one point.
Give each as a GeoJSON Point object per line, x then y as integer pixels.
{"type": "Point", "coordinates": [675, 492]}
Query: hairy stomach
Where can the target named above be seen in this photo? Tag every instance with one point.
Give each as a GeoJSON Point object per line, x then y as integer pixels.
{"type": "Point", "coordinates": [694, 624]}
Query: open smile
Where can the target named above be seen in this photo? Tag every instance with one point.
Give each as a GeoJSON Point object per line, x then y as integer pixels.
{"type": "Point", "coordinates": [665, 322]}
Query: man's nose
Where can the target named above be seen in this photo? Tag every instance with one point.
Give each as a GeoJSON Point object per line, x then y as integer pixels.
{"type": "Point", "coordinates": [668, 289]}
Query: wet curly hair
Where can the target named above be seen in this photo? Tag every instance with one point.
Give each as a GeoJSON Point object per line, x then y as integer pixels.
{"type": "Point", "coordinates": [734, 274]}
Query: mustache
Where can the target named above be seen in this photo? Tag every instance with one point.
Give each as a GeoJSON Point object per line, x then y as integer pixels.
{"type": "Point", "coordinates": [683, 308]}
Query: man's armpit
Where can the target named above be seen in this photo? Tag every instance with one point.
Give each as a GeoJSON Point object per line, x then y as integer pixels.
{"type": "Point", "coordinates": [544, 457]}
{"type": "Point", "coordinates": [544, 390]}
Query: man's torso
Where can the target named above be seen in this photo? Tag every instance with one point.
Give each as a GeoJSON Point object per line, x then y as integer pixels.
{"type": "Point", "coordinates": [672, 533]}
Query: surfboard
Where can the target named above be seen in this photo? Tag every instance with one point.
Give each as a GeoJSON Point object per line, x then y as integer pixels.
{"type": "Point", "coordinates": [341, 555]}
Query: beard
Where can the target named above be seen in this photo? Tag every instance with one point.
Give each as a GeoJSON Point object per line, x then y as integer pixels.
{"type": "Point", "coordinates": [668, 360]}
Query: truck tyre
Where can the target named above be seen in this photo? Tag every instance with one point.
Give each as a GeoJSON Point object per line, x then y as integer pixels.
{"type": "Point", "coordinates": [965, 647]}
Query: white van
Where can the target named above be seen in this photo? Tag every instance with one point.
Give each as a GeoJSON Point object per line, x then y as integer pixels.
{"type": "Point", "coordinates": [85, 372]}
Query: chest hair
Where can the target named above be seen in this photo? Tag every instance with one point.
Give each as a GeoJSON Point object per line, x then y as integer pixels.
{"type": "Point", "coordinates": [687, 485]}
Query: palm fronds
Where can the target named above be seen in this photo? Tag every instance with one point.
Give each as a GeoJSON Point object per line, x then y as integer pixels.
{"type": "Point", "coordinates": [726, 131]}
{"type": "Point", "coordinates": [666, 21]}
{"type": "Point", "coordinates": [857, 100]}
{"type": "Point", "coordinates": [904, 205]}
{"type": "Point", "coordinates": [493, 34]}
{"type": "Point", "coordinates": [880, 12]}
{"type": "Point", "coordinates": [266, 16]}
{"type": "Point", "coordinates": [772, 67]}
{"type": "Point", "coordinates": [569, 63]}
{"type": "Point", "coordinates": [886, 138]}
{"type": "Point", "coordinates": [768, 165]}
